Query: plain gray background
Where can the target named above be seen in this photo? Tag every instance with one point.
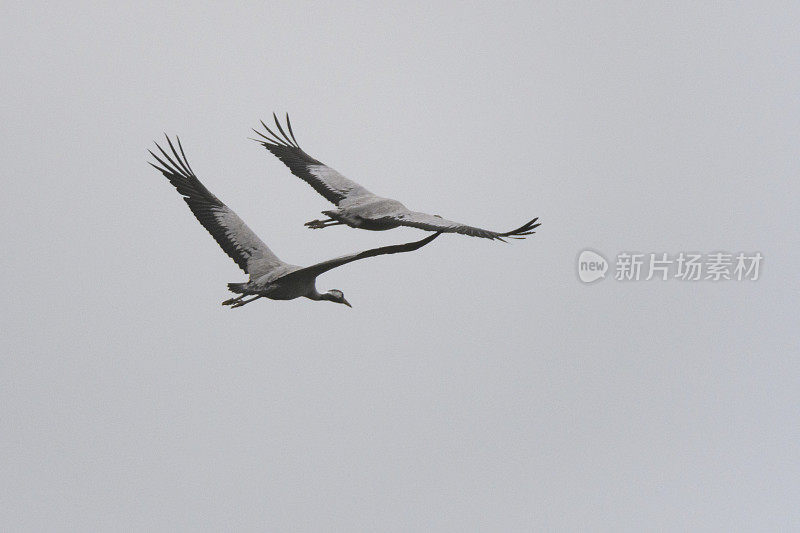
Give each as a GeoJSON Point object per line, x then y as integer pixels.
{"type": "Point", "coordinates": [475, 386]}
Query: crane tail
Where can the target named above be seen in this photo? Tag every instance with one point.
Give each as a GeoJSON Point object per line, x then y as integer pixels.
{"type": "Point", "coordinates": [238, 288]}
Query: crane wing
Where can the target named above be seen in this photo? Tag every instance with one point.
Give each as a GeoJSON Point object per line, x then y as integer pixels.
{"type": "Point", "coordinates": [230, 231]}
{"type": "Point", "coordinates": [325, 180]}
{"type": "Point", "coordinates": [319, 268]}
{"type": "Point", "coordinates": [428, 222]}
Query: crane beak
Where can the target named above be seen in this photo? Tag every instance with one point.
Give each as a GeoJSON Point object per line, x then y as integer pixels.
{"type": "Point", "coordinates": [345, 302]}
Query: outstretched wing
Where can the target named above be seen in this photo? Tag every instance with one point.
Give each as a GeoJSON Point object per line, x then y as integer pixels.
{"type": "Point", "coordinates": [436, 223]}
{"type": "Point", "coordinates": [230, 231]}
{"type": "Point", "coordinates": [325, 180]}
{"type": "Point", "coordinates": [315, 270]}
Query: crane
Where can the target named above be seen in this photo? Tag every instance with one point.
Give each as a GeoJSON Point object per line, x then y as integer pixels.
{"type": "Point", "coordinates": [356, 206]}
{"type": "Point", "coordinates": [269, 277]}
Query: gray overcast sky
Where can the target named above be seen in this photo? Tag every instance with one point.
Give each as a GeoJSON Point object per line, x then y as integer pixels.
{"type": "Point", "coordinates": [475, 386]}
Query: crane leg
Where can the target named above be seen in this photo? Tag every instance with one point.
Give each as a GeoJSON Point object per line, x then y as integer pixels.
{"type": "Point", "coordinates": [317, 224]}
{"type": "Point", "coordinates": [233, 300]}
{"type": "Point", "coordinates": [244, 302]}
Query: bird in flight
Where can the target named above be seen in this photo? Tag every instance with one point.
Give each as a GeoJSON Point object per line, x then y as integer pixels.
{"type": "Point", "coordinates": [356, 206]}
{"type": "Point", "coordinates": [269, 276]}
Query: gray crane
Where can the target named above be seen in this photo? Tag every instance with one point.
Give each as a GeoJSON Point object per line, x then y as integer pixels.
{"type": "Point", "coordinates": [269, 276]}
{"type": "Point", "coordinates": [356, 206]}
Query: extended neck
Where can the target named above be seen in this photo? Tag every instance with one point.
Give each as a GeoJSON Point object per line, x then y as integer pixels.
{"type": "Point", "coordinates": [316, 296]}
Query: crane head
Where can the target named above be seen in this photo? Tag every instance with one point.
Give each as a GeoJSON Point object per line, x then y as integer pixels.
{"type": "Point", "coordinates": [335, 295]}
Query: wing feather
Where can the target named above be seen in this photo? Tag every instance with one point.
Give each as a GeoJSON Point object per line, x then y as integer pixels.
{"type": "Point", "coordinates": [231, 233]}
{"type": "Point", "coordinates": [319, 268]}
{"type": "Point", "coordinates": [428, 222]}
{"type": "Point", "coordinates": [325, 180]}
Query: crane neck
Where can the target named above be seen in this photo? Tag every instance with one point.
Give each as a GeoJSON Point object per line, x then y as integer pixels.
{"type": "Point", "coordinates": [316, 296]}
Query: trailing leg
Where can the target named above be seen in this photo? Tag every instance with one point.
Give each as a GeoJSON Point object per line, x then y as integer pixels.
{"type": "Point", "coordinates": [317, 224]}
{"type": "Point", "coordinates": [234, 300]}
{"type": "Point", "coordinates": [245, 302]}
